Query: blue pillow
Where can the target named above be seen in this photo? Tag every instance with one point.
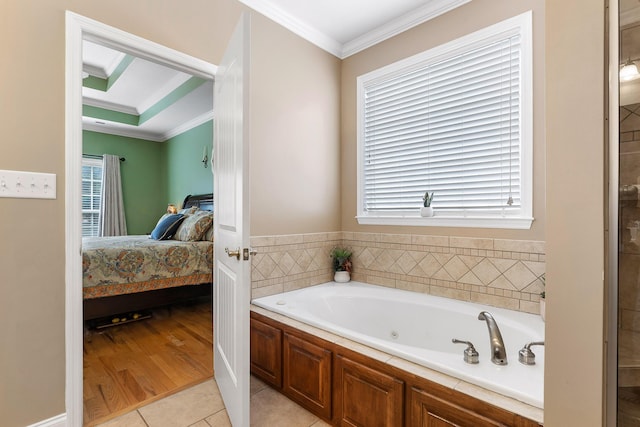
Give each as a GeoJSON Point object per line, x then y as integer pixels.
{"type": "Point", "coordinates": [167, 227]}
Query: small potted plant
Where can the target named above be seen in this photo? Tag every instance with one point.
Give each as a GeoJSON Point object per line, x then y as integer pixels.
{"type": "Point", "coordinates": [341, 263]}
{"type": "Point", "coordinates": [427, 210]}
{"type": "Point", "coordinates": [543, 301]}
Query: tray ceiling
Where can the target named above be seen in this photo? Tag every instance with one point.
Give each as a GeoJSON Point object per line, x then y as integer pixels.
{"type": "Point", "coordinates": [129, 96]}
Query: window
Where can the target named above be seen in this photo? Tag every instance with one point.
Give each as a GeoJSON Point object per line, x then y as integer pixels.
{"type": "Point", "coordinates": [455, 120]}
{"type": "Point", "coordinates": [91, 193]}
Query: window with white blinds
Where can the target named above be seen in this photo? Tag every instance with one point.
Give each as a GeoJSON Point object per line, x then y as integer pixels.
{"type": "Point", "coordinates": [456, 121]}
{"type": "Point", "coordinates": [91, 193]}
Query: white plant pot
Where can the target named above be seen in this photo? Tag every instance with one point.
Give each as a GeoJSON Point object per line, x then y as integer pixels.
{"type": "Point", "coordinates": [342, 276]}
{"type": "Point", "coordinates": [543, 308]}
{"type": "Point", "coordinates": [426, 211]}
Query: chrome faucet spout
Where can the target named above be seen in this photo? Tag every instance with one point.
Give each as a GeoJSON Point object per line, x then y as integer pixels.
{"type": "Point", "coordinates": [498, 351]}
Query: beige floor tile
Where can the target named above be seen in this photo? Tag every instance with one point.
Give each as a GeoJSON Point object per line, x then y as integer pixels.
{"type": "Point", "coordinates": [256, 385]}
{"type": "Point", "coordinates": [270, 408]}
{"type": "Point", "coordinates": [219, 419]}
{"type": "Point", "coordinates": [130, 419]}
{"type": "Point", "coordinates": [184, 408]}
{"type": "Point", "coordinates": [201, 423]}
{"type": "Point", "coordinates": [320, 423]}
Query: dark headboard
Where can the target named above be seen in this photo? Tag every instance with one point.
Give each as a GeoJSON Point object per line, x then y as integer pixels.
{"type": "Point", "coordinates": [203, 201]}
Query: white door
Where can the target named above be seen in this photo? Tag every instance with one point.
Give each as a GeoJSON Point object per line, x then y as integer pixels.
{"type": "Point", "coordinates": [232, 273]}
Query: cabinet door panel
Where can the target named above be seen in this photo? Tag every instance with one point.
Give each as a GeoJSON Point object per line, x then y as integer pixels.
{"type": "Point", "coordinates": [428, 410]}
{"type": "Point", "coordinates": [366, 397]}
{"type": "Point", "coordinates": [266, 352]}
{"type": "Point", "coordinates": [307, 375]}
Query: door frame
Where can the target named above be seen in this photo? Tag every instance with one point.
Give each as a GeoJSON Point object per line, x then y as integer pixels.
{"type": "Point", "coordinates": [612, 170]}
{"type": "Point", "coordinates": [79, 28]}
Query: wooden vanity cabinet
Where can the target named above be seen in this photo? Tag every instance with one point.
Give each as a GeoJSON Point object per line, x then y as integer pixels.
{"type": "Point", "coordinates": [366, 397]}
{"type": "Point", "coordinates": [347, 388]}
{"type": "Point", "coordinates": [427, 410]}
{"type": "Point", "coordinates": [266, 352]}
{"type": "Point", "coordinates": [307, 374]}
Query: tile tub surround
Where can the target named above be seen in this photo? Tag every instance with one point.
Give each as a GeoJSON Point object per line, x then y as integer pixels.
{"type": "Point", "coordinates": [497, 272]}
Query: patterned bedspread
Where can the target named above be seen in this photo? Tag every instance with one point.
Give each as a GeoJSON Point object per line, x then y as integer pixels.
{"type": "Point", "coordinates": [129, 264]}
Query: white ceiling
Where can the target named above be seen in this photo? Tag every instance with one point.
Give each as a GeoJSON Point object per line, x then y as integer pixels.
{"type": "Point", "coordinates": [341, 27]}
{"type": "Point", "coordinates": [345, 27]}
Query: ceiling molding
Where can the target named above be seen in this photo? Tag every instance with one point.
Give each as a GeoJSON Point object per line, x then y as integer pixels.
{"type": "Point", "coordinates": [298, 27]}
{"type": "Point", "coordinates": [429, 11]}
{"type": "Point", "coordinates": [95, 71]}
{"type": "Point", "coordinates": [403, 23]}
{"type": "Point", "coordinates": [87, 100]}
{"type": "Point", "coordinates": [118, 129]}
{"type": "Point", "coordinates": [197, 121]}
{"type": "Point", "coordinates": [113, 128]}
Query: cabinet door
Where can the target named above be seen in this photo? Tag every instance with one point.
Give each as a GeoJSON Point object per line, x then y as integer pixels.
{"type": "Point", "coordinates": [366, 397]}
{"type": "Point", "coordinates": [307, 375]}
{"type": "Point", "coordinates": [266, 352]}
{"type": "Point", "coordinates": [428, 410]}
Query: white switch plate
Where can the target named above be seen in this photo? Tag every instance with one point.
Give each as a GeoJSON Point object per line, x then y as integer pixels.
{"type": "Point", "coordinates": [29, 185]}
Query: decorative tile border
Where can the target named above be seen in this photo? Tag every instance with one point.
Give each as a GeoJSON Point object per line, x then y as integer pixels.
{"type": "Point", "coordinates": [497, 272]}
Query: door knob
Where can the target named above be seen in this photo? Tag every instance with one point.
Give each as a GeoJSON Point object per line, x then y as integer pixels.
{"type": "Point", "coordinates": [235, 253]}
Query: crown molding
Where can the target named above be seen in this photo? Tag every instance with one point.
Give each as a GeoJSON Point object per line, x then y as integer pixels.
{"type": "Point", "coordinates": [86, 100]}
{"type": "Point", "coordinates": [197, 121]}
{"type": "Point", "coordinates": [298, 27]}
{"type": "Point", "coordinates": [112, 128]}
{"type": "Point", "coordinates": [429, 11]}
{"type": "Point", "coordinates": [403, 23]}
{"type": "Point", "coordinates": [94, 71]}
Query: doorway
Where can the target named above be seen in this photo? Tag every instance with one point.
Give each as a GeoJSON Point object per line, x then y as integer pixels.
{"type": "Point", "coordinates": [78, 29]}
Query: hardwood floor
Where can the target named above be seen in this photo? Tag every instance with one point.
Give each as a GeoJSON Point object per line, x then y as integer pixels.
{"type": "Point", "coordinates": [130, 365]}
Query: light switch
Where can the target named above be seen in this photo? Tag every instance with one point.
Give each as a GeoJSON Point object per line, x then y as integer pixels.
{"type": "Point", "coordinates": [30, 185]}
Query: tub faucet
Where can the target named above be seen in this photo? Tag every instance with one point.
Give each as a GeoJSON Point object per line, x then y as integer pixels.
{"type": "Point", "coordinates": [498, 352]}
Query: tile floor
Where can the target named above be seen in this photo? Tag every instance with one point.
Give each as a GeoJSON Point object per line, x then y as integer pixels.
{"type": "Point", "coordinates": [202, 406]}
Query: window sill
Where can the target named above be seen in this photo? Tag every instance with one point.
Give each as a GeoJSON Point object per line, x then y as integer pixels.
{"type": "Point", "coordinates": [449, 221]}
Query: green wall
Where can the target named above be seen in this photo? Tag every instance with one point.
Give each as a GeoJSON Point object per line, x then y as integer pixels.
{"type": "Point", "coordinates": [156, 173]}
{"type": "Point", "coordinates": [185, 172]}
{"type": "Point", "coordinates": [143, 177]}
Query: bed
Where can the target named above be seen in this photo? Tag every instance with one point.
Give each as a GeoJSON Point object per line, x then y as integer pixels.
{"type": "Point", "coordinates": [133, 273]}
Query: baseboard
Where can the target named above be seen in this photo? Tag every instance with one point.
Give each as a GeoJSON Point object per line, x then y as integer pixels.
{"type": "Point", "coordinates": [57, 421]}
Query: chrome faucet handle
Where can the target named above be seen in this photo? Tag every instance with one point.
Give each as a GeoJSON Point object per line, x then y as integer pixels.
{"type": "Point", "coordinates": [526, 356]}
{"type": "Point", "coordinates": [470, 353]}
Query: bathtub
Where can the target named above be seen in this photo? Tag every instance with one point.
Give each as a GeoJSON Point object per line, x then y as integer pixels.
{"type": "Point", "coordinates": [419, 328]}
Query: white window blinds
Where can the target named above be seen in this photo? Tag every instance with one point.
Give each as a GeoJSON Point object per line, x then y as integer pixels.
{"type": "Point", "coordinates": [91, 192]}
{"type": "Point", "coordinates": [450, 125]}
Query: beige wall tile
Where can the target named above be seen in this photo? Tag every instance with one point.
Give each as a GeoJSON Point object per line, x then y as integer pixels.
{"type": "Point", "coordinates": [458, 294]}
{"type": "Point", "coordinates": [267, 290]}
{"type": "Point", "coordinates": [259, 241]}
{"type": "Point", "coordinates": [471, 243]}
{"type": "Point", "coordinates": [430, 240]}
{"type": "Point", "coordinates": [450, 266]}
{"type": "Point", "coordinates": [531, 246]}
{"type": "Point", "coordinates": [530, 307]}
{"type": "Point", "coordinates": [402, 239]}
{"type": "Point", "coordinates": [496, 301]}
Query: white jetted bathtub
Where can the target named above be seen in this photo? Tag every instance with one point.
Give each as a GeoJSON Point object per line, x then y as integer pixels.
{"type": "Point", "coordinates": [419, 328]}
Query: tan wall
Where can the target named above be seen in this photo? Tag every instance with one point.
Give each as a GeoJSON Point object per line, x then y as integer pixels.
{"type": "Point", "coordinates": [32, 43]}
{"type": "Point", "coordinates": [464, 20]}
{"type": "Point", "coordinates": [295, 148]}
{"type": "Point", "coordinates": [575, 245]}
